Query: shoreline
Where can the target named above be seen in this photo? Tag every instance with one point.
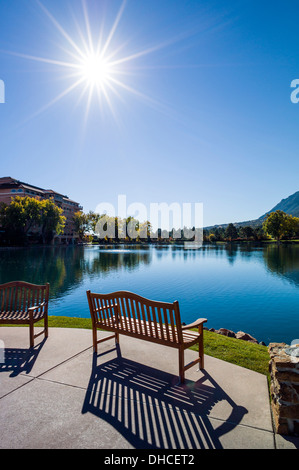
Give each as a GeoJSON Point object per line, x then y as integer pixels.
{"type": "Point", "coordinates": [156, 243]}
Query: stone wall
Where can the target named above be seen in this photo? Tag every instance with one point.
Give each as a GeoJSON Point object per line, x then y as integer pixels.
{"type": "Point", "coordinates": [284, 389]}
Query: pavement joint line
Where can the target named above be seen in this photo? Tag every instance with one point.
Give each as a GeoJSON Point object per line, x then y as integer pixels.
{"type": "Point", "coordinates": [57, 365]}
{"type": "Point", "coordinates": [44, 379]}
{"type": "Point", "coordinates": [17, 388]}
{"type": "Point", "coordinates": [153, 405]}
{"type": "Point", "coordinates": [33, 377]}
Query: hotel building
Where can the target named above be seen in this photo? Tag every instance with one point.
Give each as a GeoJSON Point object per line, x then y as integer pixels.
{"type": "Point", "coordinates": [10, 188]}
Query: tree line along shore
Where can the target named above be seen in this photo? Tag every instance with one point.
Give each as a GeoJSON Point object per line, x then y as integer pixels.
{"type": "Point", "coordinates": [29, 220]}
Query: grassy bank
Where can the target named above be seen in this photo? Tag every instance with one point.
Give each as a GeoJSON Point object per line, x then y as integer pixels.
{"type": "Point", "coordinates": [242, 353]}
{"type": "Point", "coordinates": [239, 352]}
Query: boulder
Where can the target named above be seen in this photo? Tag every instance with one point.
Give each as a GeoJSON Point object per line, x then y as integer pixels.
{"type": "Point", "coordinates": [239, 335]}
{"type": "Point", "coordinates": [246, 337]}
{"type": "Point", "coordinates": [226, 332]}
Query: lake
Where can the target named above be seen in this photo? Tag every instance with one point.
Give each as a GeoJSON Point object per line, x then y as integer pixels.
{"type": "Point", "coordinates": [247, 288]}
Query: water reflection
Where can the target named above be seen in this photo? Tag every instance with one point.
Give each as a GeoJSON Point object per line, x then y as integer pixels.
{"type": "Point", "coordinates": [66, 267]}
{"type": "Point", "coordinates": [283, 261]}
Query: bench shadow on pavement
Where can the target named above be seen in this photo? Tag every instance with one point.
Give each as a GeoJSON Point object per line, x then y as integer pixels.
{"type": "Point", "coordinates": [152, 411]}
{"type": "Point", "coordinates": [20, 360]}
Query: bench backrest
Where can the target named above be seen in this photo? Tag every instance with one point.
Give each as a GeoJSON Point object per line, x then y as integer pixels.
{"type": "Point", "coordinates": [18, 296]}
{"type": "Point", "coordinates": [131, 313]}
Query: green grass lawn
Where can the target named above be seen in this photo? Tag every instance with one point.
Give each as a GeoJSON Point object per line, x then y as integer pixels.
{"type": "Point", "coordinates": [237, 351]}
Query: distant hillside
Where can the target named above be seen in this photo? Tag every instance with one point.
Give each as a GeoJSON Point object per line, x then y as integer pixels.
{"type": "Point", "coordinates": [290, 206]}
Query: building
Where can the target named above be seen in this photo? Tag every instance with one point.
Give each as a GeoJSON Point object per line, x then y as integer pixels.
{"type": "Point", "coordinates": [10, 188]}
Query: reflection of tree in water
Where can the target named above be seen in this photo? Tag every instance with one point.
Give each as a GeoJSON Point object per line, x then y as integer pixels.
{"type": "Point", "coordinates": [283, 260]}
{"type": "Point", "coordinates": [231, 252]}
{"type": "Point", "coordinates": [60, 266]}
{"type": "Point", "coordinates": [107, 261]}
{"type": "Point", "coordinates": [65, 267]}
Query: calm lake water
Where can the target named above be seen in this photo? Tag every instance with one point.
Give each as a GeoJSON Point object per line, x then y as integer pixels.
{"type": "Point", "coordinates": [239, 287]}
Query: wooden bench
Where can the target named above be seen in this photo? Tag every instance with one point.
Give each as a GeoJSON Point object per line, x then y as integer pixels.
{"type": "Point", "coordinates": [24, 303]}
{"type": "Point", "coordinates": [159, 322]}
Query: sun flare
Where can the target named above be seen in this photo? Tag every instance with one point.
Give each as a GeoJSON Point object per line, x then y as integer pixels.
{"type": "Point", "coordinates": [95, 65]}
{"type": "Point", "coordinates": [95, 70]}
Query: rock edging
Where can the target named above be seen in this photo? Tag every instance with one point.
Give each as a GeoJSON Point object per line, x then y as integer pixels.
{"type": "Point", "coordinates": [238, 335]}
{"type": "Point", "coordinates": [284, 370]}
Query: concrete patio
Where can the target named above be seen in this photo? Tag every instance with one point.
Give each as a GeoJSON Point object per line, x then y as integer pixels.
{"type": "Point", "coordinates": [59, 395]}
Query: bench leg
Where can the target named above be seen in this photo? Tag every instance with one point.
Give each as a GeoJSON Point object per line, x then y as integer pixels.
{"type": "Point", "coordinates": [181, 365]}
{"type": "Point", "coordinates": [201, 350]}
{"type": "Point", "coordinates": [46, 326]}
{"type": "Point", "coordinates": [94, 340]}
{"type": "Point", "coordinates": [31, 334]}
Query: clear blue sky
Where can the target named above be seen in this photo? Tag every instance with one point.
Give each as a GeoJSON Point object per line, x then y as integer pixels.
{"type": "Point", "coordinates": [201, 113]}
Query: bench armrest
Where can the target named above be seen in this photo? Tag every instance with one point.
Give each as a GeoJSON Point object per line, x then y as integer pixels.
{"type": "Point", "coordinates": [196, 323]}
{"type": "Point", "coordinates": [31, 309]}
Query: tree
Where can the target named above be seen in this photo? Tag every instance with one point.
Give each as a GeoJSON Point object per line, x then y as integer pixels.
{"type": "Point", "coordinates": [145, 230]}
{"type": "Point", "coordinates": [259, 234]}
{"type": "Point", "coordinates": [279, 224]}
{"type": "Point", "coordinates": [25, 214]}
{"type": "Point", "coordinates": [81, 223]}
{"type": "Point", "coordinates": [20, 217]}
{"type": "Point", "coordinates": [247, 231]}
{"type": "Point", "coordinates": [22, 214]}
{"type": "Point", "coordinates": [231, 232]}
{"type": "Point", "coordinates": [52, 221]}
{"type": "Point", "coordinates": [106, 227]}
{"type": "Point", "coordinates": [292, 227]}
{"type": "Point", "coordinates": [132, 226]}
{"type": "Point", "coordinates": [92, 219]}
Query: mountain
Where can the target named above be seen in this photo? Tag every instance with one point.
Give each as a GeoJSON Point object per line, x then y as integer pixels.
{"type": "Point", "coordinates": [290, 206]}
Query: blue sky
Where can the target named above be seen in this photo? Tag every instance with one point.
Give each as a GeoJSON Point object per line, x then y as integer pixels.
{"type": "Point", "coordinates": [202, 113]}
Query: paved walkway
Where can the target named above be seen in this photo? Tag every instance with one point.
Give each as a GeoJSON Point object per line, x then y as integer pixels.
{"type": "Point", "coordinates": [60, 396]}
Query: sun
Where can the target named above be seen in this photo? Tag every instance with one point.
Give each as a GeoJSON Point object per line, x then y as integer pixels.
{"type": "Point", "coordinates": [95, 70]}
{"type": "Point", "coordinates": [95, 65]}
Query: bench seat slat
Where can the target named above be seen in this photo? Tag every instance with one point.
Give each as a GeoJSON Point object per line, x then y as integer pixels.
{"type": "Point", "coordinates": [20, 315]}
{"type": "Point", "coordinates": [143, 329]}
